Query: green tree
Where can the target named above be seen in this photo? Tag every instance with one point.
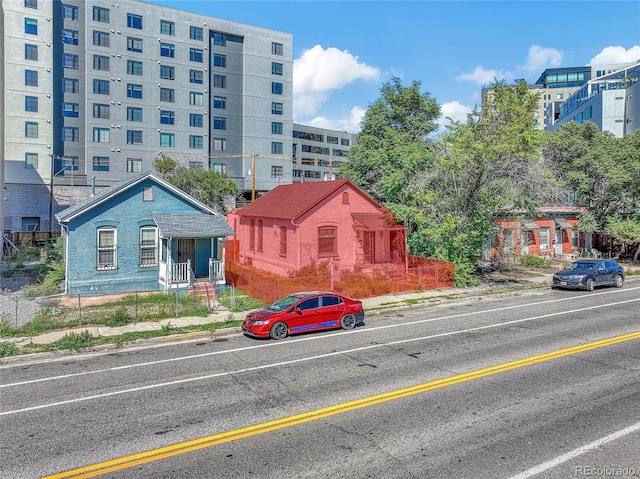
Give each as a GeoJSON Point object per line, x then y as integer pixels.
{"type": "Point", "coordinates": [626, 231]}
{"type": "Point", "coordinates": [210, 187]}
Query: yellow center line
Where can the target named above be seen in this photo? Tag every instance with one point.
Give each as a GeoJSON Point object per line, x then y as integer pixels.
{"type": "Point", "coordinates": [236, 434]}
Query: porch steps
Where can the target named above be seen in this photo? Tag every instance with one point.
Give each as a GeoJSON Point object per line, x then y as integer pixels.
{"type": "Point", "coordinates": [206, 291]}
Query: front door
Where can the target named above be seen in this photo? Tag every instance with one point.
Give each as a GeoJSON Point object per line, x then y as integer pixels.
{"type": "Point", "coordinates": [186, 251]}
{"type": "Point", "coordinates": [558, 246]}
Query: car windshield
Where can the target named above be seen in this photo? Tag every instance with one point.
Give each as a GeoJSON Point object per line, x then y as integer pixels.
{"type": "Point", "coordinates": [579, 265]}
{"type": "Point", "coordinates": [283, 303]}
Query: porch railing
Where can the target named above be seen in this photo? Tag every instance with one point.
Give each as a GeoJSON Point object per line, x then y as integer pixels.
{"type": "Point", "coordinates": [181, 273]}
{"type": "Point", "coordinates": [216, 271]}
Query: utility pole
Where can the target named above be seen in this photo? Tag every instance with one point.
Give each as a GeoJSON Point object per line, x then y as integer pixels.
{"type": "Point", "coordinates": [253, 177]}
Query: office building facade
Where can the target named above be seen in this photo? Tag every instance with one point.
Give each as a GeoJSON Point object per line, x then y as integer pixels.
{"type": "Point", "coordinates": [318, 153]}
{"type": "Point", "coordinates": [95, 91]}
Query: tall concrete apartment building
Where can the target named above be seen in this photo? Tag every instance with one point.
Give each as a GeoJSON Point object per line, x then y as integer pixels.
{"type": "Point", "coordinates": [95, 90]}
{"type": "Point", "coordinates": [318, 153]}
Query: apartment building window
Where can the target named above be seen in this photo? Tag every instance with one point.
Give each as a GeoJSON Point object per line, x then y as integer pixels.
{"type": "Point", "coordinates": [31, 78]}
{"type": "Point", "coordinates": [277, 172]}
{"type": "Point", "coordinates": [167, 117]}
{"type": "Point", "coordinates": [219, 123]}
{"type": "Point", "coordinates": [100, 163]}
{"type": "Point", "coordinates": [559, 96]}
{"type": "Point", "coordinates": [220, 144]}
{"type": "Point", "coordinates": [219, 39]}
{"type": "Point", "coordinates": [134, 67]}
{"type": "Point", "coordinates": [220, 168]}
{"type": "Point", "coordinates": [134, 91]}
{"type": "Point", "coordinates": [70, 85]}
{"type": "Point", "coordinates": [134, 165]}
{"type": "Point", "coordinates": [107, 249]}
{"type": "Point", "coordinates": [219, 60]}
{"type": "Point", "coordinates": [100, 135]}
{"type": "Point", "coordinates": [31, 160]}
{"type": "Point", "coordinates": [100, 62]}
{"type": "Point", "coordinates": [69, 37]}
{"type": "Point", "coordinates": [167, 50]}
{"type": "Point", "coordinates": [31, 129]}
{"type": "Point", "coordinates": [134, 44]}
{"type": "Point", "coordinates": [101, 110]}
{"type": "Point", "coordinates": [70, 110]}
{"type": "Point", "coordinates": [195, 142]}
{"type": "Point", "coordinates": [30, 52]}
{"type": "Point", "coordinates": [101, 39]}
{"type": "Point", "coordinates": [70, 133]}
{"type": "Point", "coordinates": [196, 33]}
{"type": "Point", "coordinates": [134, 113]}
{"type": "Point", "coordinates": [219, 81]}
{"type": "Point", "coordinates": [276, 128]}
{"type": "Point", "coordinates": [101, 14]}
{"type": "Point", "coordinates": [276, 68]}
{"type": "Point", "coordinates": [196, 120]}
{"type": "Point", "coordinates": [276, 108]}
{"type": "Point", "coordinates": [195, 98]}
{"type": "Point", "coordinates": [101, 87]}
{"type": "Point", "coordinates": [167, 72]}
{"type": "Point", "coordinates": [167, 139]}
{"type": "Point", "coordinates": [148, 247]}
{"type": "Point", "coordinates": [31, 26]}
{"type": "Point", "coordinates": [587, 113]}
{"type": "Point", "coordinates": [276, 88]}
{"type": "Point", "coordinates": [70, 61]}
{"type": "Point", "coordinates": [134, 137]}
{"type": "Point", "coordinates": [30, 103]}
{"type": "Point", "coordinates": [167, 27]}
{"type": "Point", "coordinates": [69, 12]}
{"type": "Point", "coordinates": [277, 49]}
{"type": "Point", "coordinates": [70, 163]}
{"type": "Point", "coordinates": [195, 76]}
{"type": "Point", "coordinates": [30, 3]}
{"type": "Point", "coordinates": [134, 21]}
{"type": "Point", "coordinates": [168, 94]}
{"type": "Point", "coordinates": [195, 55]}
{"type": "Point", "coordinates": [276, 147]}
{"type": "Point", "coordinates": [332, 139]}
{"type": "Point", "coordinates": [220, 102]}
{"type": "Point", "coordinates": [344, 141]}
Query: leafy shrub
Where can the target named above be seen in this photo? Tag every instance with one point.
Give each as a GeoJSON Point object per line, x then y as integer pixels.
{"type": "Point", "coordinates": [533, 261]}
{"type": "Point", "coordinates": [8, 349]}
{"type": "Point", "coordinates": [75, 341]}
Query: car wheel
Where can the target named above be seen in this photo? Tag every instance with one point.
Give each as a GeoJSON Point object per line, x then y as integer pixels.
{"type": "Point", "coordinates": [348, 321]}
{"type": "Point", "coordinates": [591, 284]}
{"type": "Point", "coordinates": [618, 281]}
{"type": "Point", "coordinates": [279, 331]}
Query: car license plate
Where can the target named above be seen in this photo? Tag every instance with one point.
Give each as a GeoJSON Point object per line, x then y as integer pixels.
{"type": "Point", "coordinates": [563, 283]}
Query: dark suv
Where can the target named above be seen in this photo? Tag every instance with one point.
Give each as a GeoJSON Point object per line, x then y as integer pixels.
{"type": "Point", "coordinates": [589, 273]}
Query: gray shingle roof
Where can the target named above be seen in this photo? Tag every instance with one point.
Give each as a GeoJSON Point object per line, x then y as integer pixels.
{"type": "Point", "coordinates": [191, 225]}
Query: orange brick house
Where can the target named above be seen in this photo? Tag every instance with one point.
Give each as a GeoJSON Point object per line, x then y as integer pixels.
{"type": "Point", "coordinates": [301, 224]}
{"type": "Point", "coordinates": [552, 232]}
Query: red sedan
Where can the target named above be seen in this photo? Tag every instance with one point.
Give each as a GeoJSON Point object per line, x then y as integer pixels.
{"type": "Point", "coordinates": [302, 312]}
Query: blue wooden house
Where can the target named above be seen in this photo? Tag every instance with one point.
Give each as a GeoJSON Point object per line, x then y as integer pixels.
{"type": "Point", "coordinates": [142, 234]}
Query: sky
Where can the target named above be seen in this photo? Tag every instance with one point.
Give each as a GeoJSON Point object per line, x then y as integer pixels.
{"type": "Point", "coordinates": [344, 51]}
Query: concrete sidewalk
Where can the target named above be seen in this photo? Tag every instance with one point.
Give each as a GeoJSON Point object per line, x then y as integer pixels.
{"type": "Point", "coordinates": [387, 302]}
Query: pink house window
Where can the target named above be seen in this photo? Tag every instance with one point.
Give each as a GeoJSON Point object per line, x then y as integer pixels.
{"type": "Point", "coordinates": [327, 241]}
{"type": "Point", "coordinates": [283, 241]}
{"type": "Point", "coordinates": [252, 235]}
{"type": "Point", "coordinates": [345, 198]}
{"type": "Point", "coordinates": [260, 236]}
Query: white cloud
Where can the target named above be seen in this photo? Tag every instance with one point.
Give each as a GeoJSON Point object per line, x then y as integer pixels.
{"type": "Point", "coordinates": [350, 124]}
{"type": "Point", "coordinates": [454, 110]}
{"type": "Point", "coordinates": [482, 76]}
{"type": "Point", "coordinates": [540, 58]}
{"type": "Point", "coordinates": [611, 55]}
{"type": "Point", "coordinates": [319, 71]}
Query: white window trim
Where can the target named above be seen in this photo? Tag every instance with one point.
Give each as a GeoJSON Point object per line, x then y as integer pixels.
{"type": "Point", "coordinates": [114, 249]}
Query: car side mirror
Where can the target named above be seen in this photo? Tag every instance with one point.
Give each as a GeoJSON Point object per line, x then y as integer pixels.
{"type": "Point", "coordinates": [298, 310]}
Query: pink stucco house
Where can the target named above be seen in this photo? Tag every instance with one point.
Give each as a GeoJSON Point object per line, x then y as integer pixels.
{"type": "Point", "coordinates": [305, 223]}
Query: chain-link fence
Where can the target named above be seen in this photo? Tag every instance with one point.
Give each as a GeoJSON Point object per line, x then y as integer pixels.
{"type": "Point", "coordinates": [20, 316]}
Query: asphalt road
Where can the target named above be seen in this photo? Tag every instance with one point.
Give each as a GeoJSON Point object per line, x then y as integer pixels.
{"type": "Point", "coordinates": [463, 389]}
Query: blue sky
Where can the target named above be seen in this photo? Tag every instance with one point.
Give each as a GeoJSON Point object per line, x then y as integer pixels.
{"type": "Point", "coordinates": [345, 50]}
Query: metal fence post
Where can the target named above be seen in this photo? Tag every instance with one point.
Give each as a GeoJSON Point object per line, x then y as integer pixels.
{"type": "Point", "coordinates": [79, 310]}
{"type": "Point", "coordinates": [176, 302]}
{"type": "Point", "coordinates": [17, 304]}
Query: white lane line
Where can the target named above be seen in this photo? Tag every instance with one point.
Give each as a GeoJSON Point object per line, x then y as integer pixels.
{"type": "Point", "coordinates": [310, 338]}
{"type": "Point", "coordinates": [534, 471]}
{"type": "Point", "coordinates": [300, 360]}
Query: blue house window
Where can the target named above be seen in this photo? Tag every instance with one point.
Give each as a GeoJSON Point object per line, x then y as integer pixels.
{"type": "Point", "coordinates": [107, 249]}
{"type": "Point", "coordinates": [148, 247]}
